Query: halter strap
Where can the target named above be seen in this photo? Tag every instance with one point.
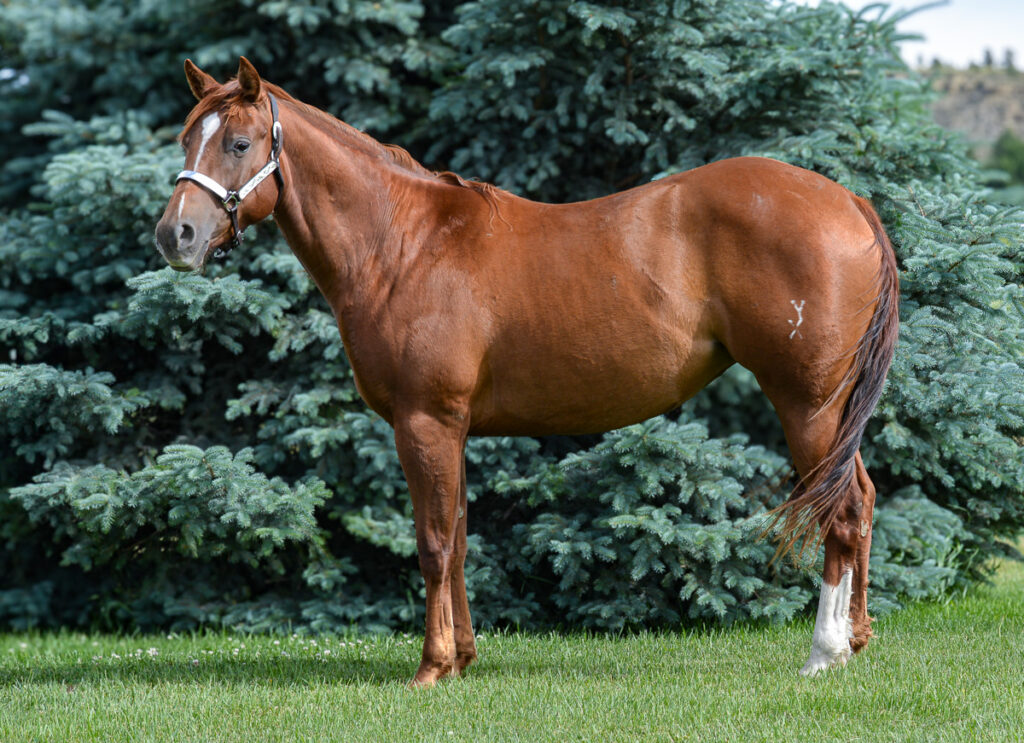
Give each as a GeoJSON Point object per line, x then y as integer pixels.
{"type": "Point", "coordinates": [231, 200]}
{"type": "Point", "coordinates": [206, 182]}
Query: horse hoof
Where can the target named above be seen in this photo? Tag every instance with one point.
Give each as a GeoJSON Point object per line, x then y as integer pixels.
{"type": "Point", "coordinates": [428, 675]}
{"type": "Point", "coordinates": [822, 660]}
{"type": "Point", "coordinates": [421, 683]}
{"type": "Point", "coordinates": [462, 660]}
{"type": "Point", "coordinates": [862, 634]}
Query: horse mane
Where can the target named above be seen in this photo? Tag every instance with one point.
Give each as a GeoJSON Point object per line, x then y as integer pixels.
{"type": "Point", "coordinates": [227, 99]}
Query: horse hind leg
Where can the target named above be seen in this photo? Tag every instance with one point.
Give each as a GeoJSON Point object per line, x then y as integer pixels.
{"type": "Point", "coordinates": [842, 626]}
{"type": "Point", "coordinates": [810, 436]}
{"type": "Point", "coordinates": [824, 379]}
{"type": "Point", "coordinates": [859, 601]}
{"type": "Point", "coordinates": [831, 644]}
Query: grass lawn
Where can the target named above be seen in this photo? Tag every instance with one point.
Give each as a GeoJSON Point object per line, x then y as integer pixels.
{"type": "Point", "coordinates": [934, 672]}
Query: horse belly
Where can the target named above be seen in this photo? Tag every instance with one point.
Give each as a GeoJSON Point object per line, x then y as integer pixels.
{"type": "Point", "coordinates": [591, 389]}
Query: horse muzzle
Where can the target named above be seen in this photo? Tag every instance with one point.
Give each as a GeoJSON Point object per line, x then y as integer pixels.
{"type": "Point", "coordinates": [181, 245]}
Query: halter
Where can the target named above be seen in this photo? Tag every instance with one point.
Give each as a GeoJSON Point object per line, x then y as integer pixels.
{"type": "Point", "coordinates": [231, 200]}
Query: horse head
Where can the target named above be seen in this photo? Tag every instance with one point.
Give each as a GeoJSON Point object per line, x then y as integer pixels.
{"type": "Point", "coordinates": [232, 140]}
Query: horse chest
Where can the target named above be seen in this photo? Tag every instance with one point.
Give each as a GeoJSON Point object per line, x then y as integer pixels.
{"type": "Point", "coordinates": [395, 361]}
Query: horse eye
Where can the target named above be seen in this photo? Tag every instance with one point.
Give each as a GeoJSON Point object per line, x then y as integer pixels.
{"type": "Point", "coordinates": [241, 146]}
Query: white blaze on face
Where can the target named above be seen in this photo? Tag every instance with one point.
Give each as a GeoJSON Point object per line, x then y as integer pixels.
{"type": "Point", "coordinates": [832, 628]}
{"type": "Point", "coordinates": [209, 127]}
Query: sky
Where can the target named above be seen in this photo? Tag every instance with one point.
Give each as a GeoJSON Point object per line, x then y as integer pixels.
{"type": "Point", "coordinates": [959, 31]}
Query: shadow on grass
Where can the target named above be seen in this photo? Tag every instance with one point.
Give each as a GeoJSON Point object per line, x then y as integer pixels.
{"type": "Point", "coordinates": [283, 672]}
{"type": "Point", "coordinates": [296, 672]}
{"type": "Point", "coordinates": [565, 656]}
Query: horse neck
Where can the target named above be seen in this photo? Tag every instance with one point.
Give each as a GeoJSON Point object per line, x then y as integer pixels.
{"type": "Point", "coordinates": [338, 207]}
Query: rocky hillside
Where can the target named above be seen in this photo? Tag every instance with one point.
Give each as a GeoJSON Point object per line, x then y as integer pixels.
{"type": "Point", "coordinates": [980, 102]}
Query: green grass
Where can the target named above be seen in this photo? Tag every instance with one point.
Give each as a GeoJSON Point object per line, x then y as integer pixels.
{"type": "Point", "coordinates": [934, 672]}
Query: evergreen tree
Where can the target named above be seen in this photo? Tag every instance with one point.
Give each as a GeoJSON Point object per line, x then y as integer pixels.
{"type": "Point", "coordinates": [180, 449]}
{"type": "Point", "coordinates": [1008, 156]}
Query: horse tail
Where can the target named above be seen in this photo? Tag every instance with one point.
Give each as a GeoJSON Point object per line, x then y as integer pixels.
{"type": "Point", "coordinates": [819, 497]}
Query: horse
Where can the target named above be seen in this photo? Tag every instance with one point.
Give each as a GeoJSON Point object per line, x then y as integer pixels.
{"type": "Point", "coordinates": [468, 311]}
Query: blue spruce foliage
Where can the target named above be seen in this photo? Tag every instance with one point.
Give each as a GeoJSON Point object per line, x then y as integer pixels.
{"type": "Point", "coordinates": [179, 450]}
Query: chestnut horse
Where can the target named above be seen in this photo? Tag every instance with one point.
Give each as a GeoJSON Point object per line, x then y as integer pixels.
{"type": "Point", "coordinates": [466, 310]}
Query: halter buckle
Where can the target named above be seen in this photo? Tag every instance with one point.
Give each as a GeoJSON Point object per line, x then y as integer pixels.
{"type": "Point", "coordinates": [275, 141]}
{"type": "Point", "coordinates": [232, 201]}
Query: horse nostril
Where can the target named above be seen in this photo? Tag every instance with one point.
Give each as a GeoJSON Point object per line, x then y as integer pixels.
{"type": "Point", "coordinates": [164, 236]}
{"type": "Point", "coordinates": [186, 235]}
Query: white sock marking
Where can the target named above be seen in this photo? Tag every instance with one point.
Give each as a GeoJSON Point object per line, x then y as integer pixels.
{"type": "Point", "coordinates": [832, 628]}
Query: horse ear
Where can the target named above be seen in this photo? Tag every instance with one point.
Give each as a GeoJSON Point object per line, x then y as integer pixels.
{"type": "Point", "coordinates": [248, 80]}
{"type": "Point", "coordinates": [198, 81]}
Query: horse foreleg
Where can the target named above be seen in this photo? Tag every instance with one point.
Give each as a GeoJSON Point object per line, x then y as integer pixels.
{"type": "Point", "coordinates": [431, 454]}
{"type": "Point", "coordinates": [465, 641]}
